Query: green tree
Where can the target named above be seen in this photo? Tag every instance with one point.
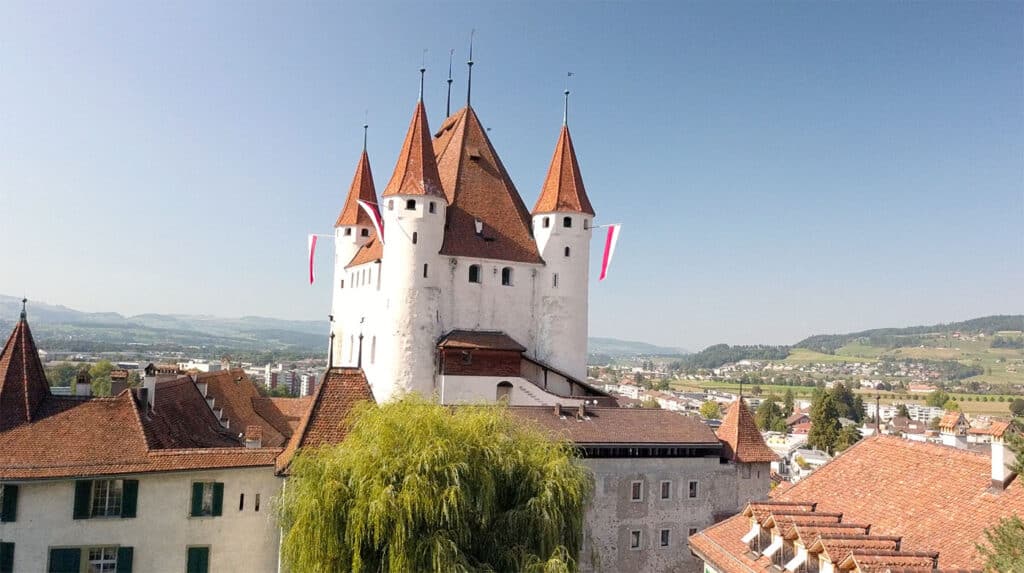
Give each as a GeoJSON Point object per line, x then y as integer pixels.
{"type": "Point", "coordinates": [1004, 552]}
{"type": "Point", "coordinates": [417, 486]}
{"type": "Point", "coordinates": [825, 427]}
{"type": "Point", "coordinates": [938, 398]}
{"type": "Point", "coordinates": [768, 415]}
{"type": "Point", "coordinates": [1017, 407]}
{"type": "Point", "coordinates": [848, 436]}
{"type": "Point", "coordinates": [650, 403]}
{"type": "Point", "coordinates": [951, 405]}
{"type": "Point", "coordinates": [790, 401]}
{"type": "Point", "coordinates": [100, 374]}
{"type": "Point", "coordinates": [62, 374]}
{"type": "Point", "coordinates": [710, 410]}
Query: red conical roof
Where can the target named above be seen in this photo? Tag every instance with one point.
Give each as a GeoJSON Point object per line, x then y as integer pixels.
{"type": "Point", "coordinates": [479, 189]}
{"type": "Point", "coordinates": [362, 189]}
{"type": "Point", "coordinates": [23, 383]}
{"type": "Point", "coordinates": [563, 189]}
{"type": "Point", "coordinates": [741, 438]}
{"type": "Point", "coordinates": [416, 170]}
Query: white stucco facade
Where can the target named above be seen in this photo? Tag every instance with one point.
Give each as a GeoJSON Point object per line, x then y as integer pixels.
{"type": "Point", "coordinates": [238, 540]}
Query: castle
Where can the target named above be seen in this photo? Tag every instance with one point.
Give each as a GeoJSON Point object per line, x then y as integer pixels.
{"type": "Point", "coordinates": [468, 296]}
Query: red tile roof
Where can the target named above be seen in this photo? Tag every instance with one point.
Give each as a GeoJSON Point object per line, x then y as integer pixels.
{"type": "Point", "coordinates": [23, 385]}
{"type": "Point", "coordinates": [619, 426]}
{"type": "Point", "coordinates": [182, 419]}
{"type": "Point", "coordinates": [361, 189]}
{"type": "Point", "coordinates": [324, 421]}
{"type": "Point", "coordinates": [416, 170]}
{"type": "Point", "coordinates": [479, 189]}
{"type": "Point", "coordinates": [372, 250]}
{"type": "Point", "coordinates": [563, 189]}
{"type": "Point", "coordinates": [742, 439]}
{"type": "Point", "coordinates": [480, 339]}
{"type": "Point", "coordinates": [998, 428]}
{"type": "Point", "coordinates": [935, 498]}
{"type": "Point", "coordinates": [234, 392]}
{"type": "Point", "coordinates": [282, 413]}
{"type": "Point", "coordinates": [950, 420]}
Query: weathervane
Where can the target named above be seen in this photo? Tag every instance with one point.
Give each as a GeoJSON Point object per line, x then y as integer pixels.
{"type": "Point", "coordinates": [469, 78]}
{"type": "Point", "coordinates": [448, 106]}
{"type": "Point", "coordinates": [423, 71]}
{"type": "Point", "coordinates": [565, 110]}
{"type": "Point", "coordinates": [23, 301]}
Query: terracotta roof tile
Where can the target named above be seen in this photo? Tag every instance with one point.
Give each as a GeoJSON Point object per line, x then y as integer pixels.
{"type": "Point", "coordinates": [625, 426]}
{"type": "Point", "coordinates": [480, 339]}
{"type": "Point", "coordinates": [23, 385]}
{"type": "Point", "coordinates": [950, 420]}
{"type": "Point", "coordinates": [416, 170]}
{"type": "Point", "coordinates": [234, 392]}
{"type": "Point", "coordinates": [372, 250]}
{"type": "Point", "coordinates": [998, 428]}
{"type": "Point", "coordinates": [743, 441]}
{"type": "Point", "coordinates": [479, 189]}
{"type": "Point", "coordinates": [563, 189]}
{"type": "Point", "coordinates": [361, 189]}
{"type": "Point", "coordinates": [282, 413]}
{"type": "Point", "coordinates": [181, 418]}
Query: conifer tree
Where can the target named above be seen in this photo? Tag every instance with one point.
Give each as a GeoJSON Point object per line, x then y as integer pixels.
{"type": "Point", "coordinates": [825, 427]}
{"type": "Point", "coordinates": [417, 486]}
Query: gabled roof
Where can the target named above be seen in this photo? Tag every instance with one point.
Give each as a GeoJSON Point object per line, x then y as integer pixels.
{"type": "Point", "coordinates": [372, 250]}
{"type": "Point", "coordinates": [361, 189]}
{"type": "Point", "coordinates": [235, 393]}
{"type": "Point", "coordinates": [182, 419]}
{"type": "Point", "coordinates": [742, 439]}
{"type": "Point", "coordinates": [479, 189]}
{"type": "Point", "coordinates": [23, 385]}
{"type": "Point", "coordinates": [416, 170]}
{"type": "Point", "coordinates": [563, 189]}
{"type": "Point", "coordinates": [324, 421]}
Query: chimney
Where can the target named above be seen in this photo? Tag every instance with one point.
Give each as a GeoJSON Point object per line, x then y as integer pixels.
{"type": "Point", "coordinates": [149, 384]}
{"type": "Point", "coordinates": [225, 363]}
{"type": "Point", "coordinates": [1002, 459]}
{"type": "Point", "coordinates": [581, 410]}
{"type": "Point", "coordinates": [83, 384]}
{"type": "Point", "coordinates": [558, 410]}
{"type": "Point", "coordinates": [253, 436]}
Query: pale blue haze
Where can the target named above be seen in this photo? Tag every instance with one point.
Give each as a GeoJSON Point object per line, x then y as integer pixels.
{"type": "Point", "coordinates": [780, 169]}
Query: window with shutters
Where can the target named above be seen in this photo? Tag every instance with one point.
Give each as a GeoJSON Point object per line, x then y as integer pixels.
{"type": "Point", "coordinates": [102, 559]}
{"type": "Point", "coordinates": [198, 560]}
{"type": "Point", "coordinates": [106, 498]}
{"type": "Point", "coordinates": [207, 499]}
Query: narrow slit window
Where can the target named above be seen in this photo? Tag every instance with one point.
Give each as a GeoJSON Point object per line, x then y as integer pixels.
{"type": "Point", "coordinates": [664, 537]}
{"type": "Point", "coordinates": [391, 205]}
{"type": "Point", "coordinates": [373, 350]}
{"type": "Point", "coordinates": [241, 501]}
{"type": "Point", "coordinates": [415, 237]}
{"type": "Point", "coordinates": [567, 251]}
{"type": "Point", "coordinates": [425, 266]}
{"type": "Point", "coordinates": [432, 207]}
{"type": "Point", "coordinates": [547, 222]}
{"type": "Point", "coordinates": [257, 502]}
{"type": "Point", "coordinates": [554, 280]}
{"type": "Point", "coordinates": [348, 232]}
{"type": "Point", "coordinates": [693, 489]}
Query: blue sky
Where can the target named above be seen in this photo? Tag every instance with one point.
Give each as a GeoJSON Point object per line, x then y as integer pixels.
{"type": "Point", "coordinates": [780, 169]}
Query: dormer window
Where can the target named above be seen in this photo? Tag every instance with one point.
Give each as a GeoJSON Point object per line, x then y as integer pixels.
{"type": "Point", "coordinates": [567, 222]}
{"type": "Point", "coordinates": [474, 274]}
{"type": "Point", "coordinates": [410, 205]}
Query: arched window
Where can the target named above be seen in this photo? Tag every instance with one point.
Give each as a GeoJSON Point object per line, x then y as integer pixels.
{"type": "Point", "coordinates": [410, 205]}
{"type": "Point", "coordinates": [432, 207]}
{"type": "Point", "coordinates": [567, 251]}
{"type": "Point", "coordinates": [348, 232]}
{"type": "Point", "coordinates": [414, 237]}
{"type": "Point", "coordinates": [504, 391]}
{"type": "Point", "coordinates": [567, 222]}
{"type": "Point", "coordinates": [506, 276]}
{"type": "Point", "coordinates": [547, 222]}
{"type": "Point", "coordinates": [474, 273]}
{"type": "Point", "coordinates": [365, 232]}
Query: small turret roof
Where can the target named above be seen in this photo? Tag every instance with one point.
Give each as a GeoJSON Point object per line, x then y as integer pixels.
{"type": "Point", "coordinates": [23, 383]}
{"type": "Point", "coordinates": [416, 170]}
{"type": "Point", "coordinates": [362, 189]}
{"type": "Point", "coordinates": [742, 440]}
{"type": "Point", "coordinates": [563, 189]}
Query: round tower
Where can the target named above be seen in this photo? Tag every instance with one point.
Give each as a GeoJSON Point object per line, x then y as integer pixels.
{"type": "Point", "coordinates": [414, 210]}
{"type": "Point", "coordinates": [562, 226]}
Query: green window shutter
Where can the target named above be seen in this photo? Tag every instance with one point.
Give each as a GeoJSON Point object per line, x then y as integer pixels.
{"type": "Point", "coordinates": [129, 497]}
{"type": "Point", "coordinates": [197, 499]}
{"type": "Point", "coordinates": [9, 508]}
{"type": "Point", "coordinates": [218, 498]}
{"type": "Point", "coordinates": [65, 560]}
{"type": "Point", "coordinates": [6, 558]}
{"type": "Point", "coordinates": [83, 491]}
{"type": "Point", "coordinates": [124, 559]}
{"type": "Point", "coordinates": [198, 560]}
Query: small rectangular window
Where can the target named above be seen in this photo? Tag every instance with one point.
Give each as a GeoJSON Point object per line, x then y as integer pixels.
{"type": "Point", "coordinates": [634, 539]}
{"type": "Point", "coordinates": [666, 489]}
{"type": "Point", "coordinates": [102, 559]}
{"type": "Point", "coordinates": [241, 501]}
{"type": "Point", "coordinates": [432, 206]}
{"type": "Point", "coordinates": [693, 489]}
{"type": "Point", "coordinates": [636, 491]}
{"type": "Point", "coordinates": [257, 502]}
{"type": "Point", "coordinates": [664, 537]}
{"type": "Point", "coordinates": [348, 231]}
{"type": "Point", "coordinates": [106, 498]}
{"type": "Point", "coordinates": [425, 265]}
{"type": "Point", "coordinates": [693, 531]}
{"type": "Point", "coordinates": [410, 205]}
{"type": "Point", "coordinates": [415, 237]}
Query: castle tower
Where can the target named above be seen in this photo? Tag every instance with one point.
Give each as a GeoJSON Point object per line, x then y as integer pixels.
{"type": "Point", "coordinates": [414, 209]}
{"type": "Point", "coordinates": [562, 225]}
{"type": "Point", "coordinates": [353, 232]}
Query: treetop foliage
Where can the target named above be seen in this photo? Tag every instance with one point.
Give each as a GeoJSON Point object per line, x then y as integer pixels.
{"type": "Point", "coordinates": [890, 337]}
{"type": "Point", "coordinates": [416, 486]}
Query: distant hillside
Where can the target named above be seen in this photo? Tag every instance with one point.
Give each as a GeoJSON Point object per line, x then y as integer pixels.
{"type": "Point", "coordinates": [895, 337]}
{"type": "Point", "coordinates": [616, 347]}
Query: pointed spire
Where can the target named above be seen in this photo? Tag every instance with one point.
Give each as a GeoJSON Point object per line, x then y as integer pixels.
{"type": "Point", "coordinates": [362, 189]}
{"type": "Point", "coordinates": [423, 72]}
{"type": "Point", "coordinates": [448, 106]}
{"type": "Point", "coordinates": [565, 110]}
{"type": "Point", "coordinates": [563, 189]}
{"type": "Point", "coordinates": [22, 379]}
{"type": "Point", "coordinates": [416, 170]}
{"type": "Point", "coordinates": [469, 63]}
{"type": "Point", "coordinates": [23, 302]}
{"type": "Point", "coordinates": [741, 440]}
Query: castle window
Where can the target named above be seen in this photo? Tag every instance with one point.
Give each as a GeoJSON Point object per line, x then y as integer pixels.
{"type": "Point", "coordinates": [567, 251]}
{"type": "Point", "coordinates": [414, 237]}
{"type": "Point", "coordinates": [692, 531]}
{"type": "Point", "coordinates": [636, 491]}
{"type": "Point", "coordinates": [547, 222]}
{"type": "Point", "coordinates": [664, 538]}
{"type": "Point", "coordinates": [504, 391]}
{"type": "Point", "coordinates": [424, 270]}
{"type": "Point", "coordinates": [666, 489]}
{"type": "Point", "coordinates": [634, 539]}
{"type": "Point", "coordinates": [554, 280]}
{"type": "Point", "coordinates": [586, 224]}
{"type": "Point", "coordinates": [365, 233]}
{"type": "Point", "coordinates": [391, 205]}
{"type": "Point", "coordinates": [432, 207]}
{"type": "Point", "coordinates": [342, 283]}
{"type": "Point", "coordinates": [567, 222]}
{"type": "Point", "coordinates": [348, 232]}
{"type": "Point", "coordinates": [410, 205]}
{"type": "Point", "coordinates": [506, 276]}
{"type": "Point", "coordinates": [693, 489]}
{"type": "Point", "coordinates": [474, 273]}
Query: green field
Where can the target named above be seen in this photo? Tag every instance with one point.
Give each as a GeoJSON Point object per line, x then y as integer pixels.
{"type": "Point", "coordinates": [805, 356]}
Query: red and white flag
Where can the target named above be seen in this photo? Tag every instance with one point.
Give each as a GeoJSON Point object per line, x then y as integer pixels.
{"type": "Point", "coordinates": [609, 249]}
{"type": "Point", "coordinates": [374, 213]}
{"type": "Point", "coordinates": [312, 251]}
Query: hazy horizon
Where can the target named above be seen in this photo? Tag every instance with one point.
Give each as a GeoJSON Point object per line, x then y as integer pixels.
{"type": "Point", "coordinates": [780, 170]}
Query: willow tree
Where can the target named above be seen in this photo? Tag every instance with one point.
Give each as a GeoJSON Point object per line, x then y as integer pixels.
{"type": "Point", "coordinates": [420, 487]}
